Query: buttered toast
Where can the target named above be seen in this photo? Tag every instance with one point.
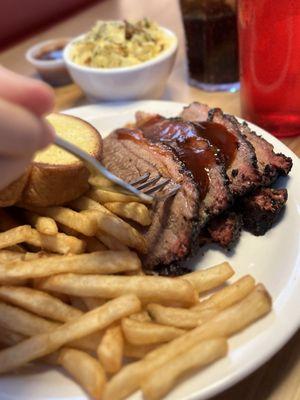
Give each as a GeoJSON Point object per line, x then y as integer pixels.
{"type": "Point", "coordinates": [56, 177]}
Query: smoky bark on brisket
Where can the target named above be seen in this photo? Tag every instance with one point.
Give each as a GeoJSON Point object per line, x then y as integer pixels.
{"type": "Point", "coordinates": [261, 210]}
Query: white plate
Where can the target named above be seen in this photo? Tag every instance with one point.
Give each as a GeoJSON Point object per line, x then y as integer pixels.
{"type": "Point", "coordinates": [273, 259]}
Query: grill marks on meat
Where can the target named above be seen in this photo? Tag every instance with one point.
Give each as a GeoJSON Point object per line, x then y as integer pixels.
{"type": "Point", "coordinates": [174, 231]}
{"type": "Point", "coordinates": [199, 156]}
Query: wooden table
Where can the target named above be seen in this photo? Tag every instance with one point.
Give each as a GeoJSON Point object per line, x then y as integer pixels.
{"type": "Point", "coordinates": [279, 379]}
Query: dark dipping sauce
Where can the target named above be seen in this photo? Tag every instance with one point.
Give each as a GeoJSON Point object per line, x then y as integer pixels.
{"type": "Point", "coordinates": [51, 54]}
{"type": "Point", "coordinates": [198, 145]}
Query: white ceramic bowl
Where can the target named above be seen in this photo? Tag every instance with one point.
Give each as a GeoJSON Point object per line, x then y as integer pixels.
{"type": "Point", "coordinates": [141, 81]}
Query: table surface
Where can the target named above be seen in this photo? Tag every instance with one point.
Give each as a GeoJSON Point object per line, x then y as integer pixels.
{"type": "Point", "coordinates": [278, 379]}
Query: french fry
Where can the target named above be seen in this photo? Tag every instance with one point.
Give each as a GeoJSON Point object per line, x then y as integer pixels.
{"type": "Point", "coordinates": [45, 225]}
{"type": "Point", "coordinates": [148, 289]}
{"type": "Point", "coordinates": [100, 181]}
{"type": "Point", "coordinates": [137, 352]}
{"type": "Point", "coordinates": [7, 256]}
{"type": "Point", "coordinates": [27, 324]}
{"type": "Point", "coordinates": [46, 343]}
{"type": "Point", "coordinates": [93, 244]}
{"type": "Point", "coordinates": [23, 322]}
{"type": "Point", "coordinates": [206, 309]}
{"type": "Point", "coordinates": [17, 248]}
{"type": "Point", "coordinates": [72, 219]}
{"type": "Point", "coordinates": [198, 356]}
{"type": "Point", "coordinates": [209, 278]}
{"type": "Point", "coordinates": [85, 369]}
{"type": "Point", "coordinates": [141, 333]}
{"type": "Point", "coordinates": [141, 316]}
{"type": "Point", "coordinates": [78, 303]}
{"type": "Point", "coordinates": [111, 224]}
{"type": "Point", "coordinates": [110, 242]}
{"type": "Point", "coordinates": [69, 231]}
{"type": "Point", "coordinates": [179, 317]}
{"type": "Point", "coordinates": [110, 350]}
{"type": "Point", "coordinates": [59, 243]}
{"type": "Point", "coordinates": [10, 338]}
{"type": "Point", "coordinates": [93, 302]}
{"type": "Point", "coordinates": [227, 296]}
{"type": "Point", "coordinates": [135, 211]}
{"type": "Point", "coordinates": [39, 303]}
{"type": "Point", "coordinates": [88, 343]}
{"type": "Point", "coordinates": [224, 324]}
{"type": "Point", "coordinates": [99, 262]}
{"type": "Point", "coordinates": [107, 195]}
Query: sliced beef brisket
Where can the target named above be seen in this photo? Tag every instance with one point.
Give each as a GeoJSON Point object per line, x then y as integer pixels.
{"type": "Point", "coordinates": [225, 229]}
{"type": "Point", "coordinates": [242, 172]}
{"type": "Point", "coordinates": [199, 157]}
{"type": "Point", "coordinates": [260, 210]}
{"type": "Point", "coordinates": [174, 230]}
{"type": "Point", "coordinates": [270, 164]}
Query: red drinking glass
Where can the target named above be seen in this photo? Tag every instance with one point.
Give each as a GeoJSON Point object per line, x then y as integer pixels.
{"type": "Point", "coordinates": [269, 40]}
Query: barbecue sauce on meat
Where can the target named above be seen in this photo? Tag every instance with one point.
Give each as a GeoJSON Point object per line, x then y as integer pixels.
{"type": "Point", "coordinates": [220, 137]}
{"type": "Point", "coordinates": [198, 145]}
{"type": "Point", "coordinates": [196, 152]}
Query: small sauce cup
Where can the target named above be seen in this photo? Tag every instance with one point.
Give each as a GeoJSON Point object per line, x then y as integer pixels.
{"type": "Point", "coordinates": [47, 58]}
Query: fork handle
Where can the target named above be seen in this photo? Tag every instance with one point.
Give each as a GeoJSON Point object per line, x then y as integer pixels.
{"type": "Point", "coordinates": [95, 167]}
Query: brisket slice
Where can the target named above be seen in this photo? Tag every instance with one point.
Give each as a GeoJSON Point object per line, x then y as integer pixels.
{"type": "Point", "coordinates": [176, 133]}
{"type": "Point", "coordinates": [195, 112]}
{"type": "Point", "coordinates": [260, 210]}
{"type": "Point", "coordinates": [173, 234]}
{"type": "Point", "coordinates": [270, 164]}
{"type": "Point", "coordinates": [242, 173]}
{"type": "Point", "coordinates": [225, 229]}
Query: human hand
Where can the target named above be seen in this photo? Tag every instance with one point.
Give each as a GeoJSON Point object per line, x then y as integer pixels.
{"type": "Point", "coordinates": [23, 130]}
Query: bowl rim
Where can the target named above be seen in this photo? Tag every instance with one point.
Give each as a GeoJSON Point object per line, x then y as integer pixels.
{"type": "Point", "coordinates": [156, 60]}
{"type": "Point", "coordinates": [30, 53]}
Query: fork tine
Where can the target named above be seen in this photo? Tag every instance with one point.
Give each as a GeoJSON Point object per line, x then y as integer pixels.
{"type": "Point", "coordinates": [149, 182]}
{"type": "Point", "coordinates": [141, 179]}
{"type": "Point", "coordinates": [171, 193]}
{"type": "Point", "coordinates": [159, 186]}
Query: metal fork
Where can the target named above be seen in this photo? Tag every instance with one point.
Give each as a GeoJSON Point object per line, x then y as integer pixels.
{"type": "Point", "coordinates": [146, 184]}
{"type": "Point", "coordinates": [134, 187]}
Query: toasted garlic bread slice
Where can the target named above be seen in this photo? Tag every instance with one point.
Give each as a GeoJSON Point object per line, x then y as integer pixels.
{"type": "Point", "coordinates": [56, 177]}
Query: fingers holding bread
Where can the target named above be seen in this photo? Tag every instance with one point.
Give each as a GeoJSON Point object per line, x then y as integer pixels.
{"type": "Point", "coordinates": [54, 177]}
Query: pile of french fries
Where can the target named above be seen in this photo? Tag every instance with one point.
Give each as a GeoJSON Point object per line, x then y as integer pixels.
{"type": "Point", "coordinates": [73, 294]}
